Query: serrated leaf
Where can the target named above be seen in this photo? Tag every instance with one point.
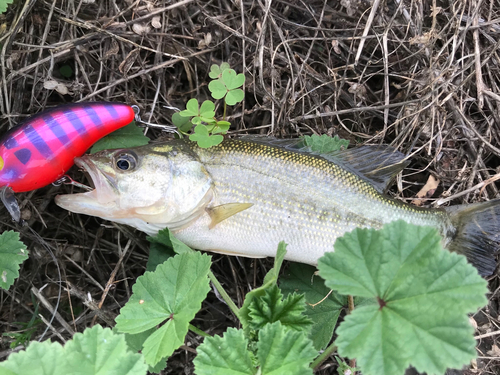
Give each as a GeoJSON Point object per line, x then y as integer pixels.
{"type": "Point", "coordinates": [135, 343]}
{"type": "Point", "coordinates": [100, 351]}
{"type": "Point", "coordinates": [172, 295]}
{"type": "Point", "coordinates": [207, 109]}
{"type": "Point", "coordinates": [282, 351]}
{"type": "Point", "coordinates": [181, 122]}
{"type": "Point", "coordinates": [327, 307]}
{"type": "Point", "coordinates": [204, 139]}
{"type": "Point", "coordinates": [271, 307]}
{"type": "Point", "coordinates": [126, 137]}
{"type": "Point", "coordinates": [39, 358]}
{"type": "Point", "coordinates": [226, 355]}
{"type": "Point", "coordinates": [217, 88]}
{"type": "Point", "coordinates": [96, 351]}
{"type": "Point", "coordinates": [325, 144]}
{"type": "Point", "coordinates": [12, 253]}
{"type": "Point", "coordinates": [424, 294]}
{"type": "Point", "coordinates": [234, 96]}
{"type": "Point", "coordinates": [232, 80]}
{"type": "Point", "coordinates": [167, 239]}
{"type": "Point", "coordinates": [269, 280]}
{"type": "Point", "coordinates": [4, 4]}
{"type": "Point", "coordinates": [158, 254]}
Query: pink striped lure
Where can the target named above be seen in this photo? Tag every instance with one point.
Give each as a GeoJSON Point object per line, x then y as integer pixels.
{"type": "Point", "coordinates": [41, 149]}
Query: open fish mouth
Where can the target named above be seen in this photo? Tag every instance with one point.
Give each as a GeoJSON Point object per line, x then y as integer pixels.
{"type": "Point", "coordinates": [96, 201]}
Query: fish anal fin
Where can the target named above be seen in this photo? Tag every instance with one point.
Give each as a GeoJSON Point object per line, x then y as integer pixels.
{"type": "Point", "coordinates": [224, 211]}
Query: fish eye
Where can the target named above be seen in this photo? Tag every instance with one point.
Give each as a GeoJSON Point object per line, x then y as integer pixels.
{"type": "Point", "coordinates": [125, 161]}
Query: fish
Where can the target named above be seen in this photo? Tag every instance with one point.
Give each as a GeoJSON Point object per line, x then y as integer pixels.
{"type": "Point", "coordinates": [244, 196]}
{"type": "Point", "coordinates": [40, 150]}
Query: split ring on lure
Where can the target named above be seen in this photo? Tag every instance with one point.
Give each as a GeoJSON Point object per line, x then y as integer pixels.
{"type": "Point", "coordinates": [41, 149]}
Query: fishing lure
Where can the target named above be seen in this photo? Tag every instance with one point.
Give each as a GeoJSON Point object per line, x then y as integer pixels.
{"type": "Point", "coordinates": [41, 150]}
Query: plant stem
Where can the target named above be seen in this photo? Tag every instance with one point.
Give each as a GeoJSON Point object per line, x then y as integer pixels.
{"type": "Point", "coordinates": [323, 356]}
{"type": "Point", "coordinates": [225, 107]}
{"type": "Point", "coordinates": [198, 331]}
{"type": "Point", "coordinates": [224, 295]}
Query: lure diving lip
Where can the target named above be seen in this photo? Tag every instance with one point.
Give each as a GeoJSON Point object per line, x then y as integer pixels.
{"type": "Point", "coordinates": [41, 150]}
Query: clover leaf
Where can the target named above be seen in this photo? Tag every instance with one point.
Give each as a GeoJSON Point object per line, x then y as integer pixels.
{"type": "Point", "coordinates": [203, 138]}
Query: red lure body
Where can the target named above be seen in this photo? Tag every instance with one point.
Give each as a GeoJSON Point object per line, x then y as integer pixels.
{"type": "Point", "coordinates": [41, 150]}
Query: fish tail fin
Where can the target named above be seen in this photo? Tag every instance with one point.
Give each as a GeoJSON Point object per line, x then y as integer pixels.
{"type": "Point", "coordinates": [477, 234]}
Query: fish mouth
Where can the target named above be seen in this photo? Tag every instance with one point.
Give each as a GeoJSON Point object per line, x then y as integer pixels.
{"type": "Point", "coordinates": [98, 202]}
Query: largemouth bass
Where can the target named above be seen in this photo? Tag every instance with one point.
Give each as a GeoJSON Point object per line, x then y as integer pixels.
{"type": "Point", "coordinates": [245, 195]}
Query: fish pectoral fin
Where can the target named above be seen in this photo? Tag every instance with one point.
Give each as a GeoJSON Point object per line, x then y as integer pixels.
{"type": "Point", "coordinates": [224, 211]}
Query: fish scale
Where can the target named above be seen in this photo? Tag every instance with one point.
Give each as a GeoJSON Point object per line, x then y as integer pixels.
{"type": "Point", "coordinates": [321, 203]}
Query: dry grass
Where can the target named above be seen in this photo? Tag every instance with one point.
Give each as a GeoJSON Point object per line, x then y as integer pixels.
{"type": "Point", "coordinates": [421, 75]}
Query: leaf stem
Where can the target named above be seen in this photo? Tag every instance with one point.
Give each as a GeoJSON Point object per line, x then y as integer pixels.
{"type": "Point", "coordinates": [198, 331]}
{"type": "Point", "coordinates": [225, 107]}
{"type": "Point", "coordinates": [224, 295]}
{"type": "Point", "coordinates": [323, 356]}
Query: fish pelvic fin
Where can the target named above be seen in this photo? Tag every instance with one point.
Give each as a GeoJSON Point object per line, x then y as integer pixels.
{"type": "Point", "coordinates": [224, 211]}
{"type": "Point", "coordinates": [477, 234]}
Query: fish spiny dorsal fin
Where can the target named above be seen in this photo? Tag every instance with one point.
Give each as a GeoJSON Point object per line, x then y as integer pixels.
{"type": "Point", "coordinates": [376, 164]}
{"type": "Point", "coordinates": [224, 211]}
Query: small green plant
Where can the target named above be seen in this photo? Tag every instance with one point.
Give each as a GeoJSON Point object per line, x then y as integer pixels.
{"type": "Point", "coordinates": [12, 253]}
{"type": "Point", "coordinates": [4, 4]}
{"type": "Point", "coordinates": [208, 130]}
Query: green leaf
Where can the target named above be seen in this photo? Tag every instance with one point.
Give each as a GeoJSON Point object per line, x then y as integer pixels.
{"type": "Point", "coordinates": [158, 254]}
{"type": "Point", "coordinates": [96, 351]}
{"type": "Point", "coordinates": [226, 355]}
{"type": "Point", "coordinates": [269, 280]}
{"type": "Point", "coordinates": [232, 80]}
{"type": "Point", "coordinates": [283, 351]}
{"type": "Point", "coordinates": [325, 144]}
{"type": "Point", "coordinates": [12, 253]}
{"type": "Point", "coordinates": [171, 295]}
{"type": "Point", "coordinates": [207, 109]}
{"type": "Point", "coordinates": [135, 343]}
{"type": "Point", "coordinates": [424, 294]}
{"type": "Point", "coordinates": [214, 71]}
{"type": "Point", "coordinates": [39, 358]}
{"type": "Point", "coordinates": [181, 122]}
{"type": "Point", "coordinates": [192, 109]}
{"type": "Point", "coordinates": [4, 4]}
{"type": "Point", "coordinates": [100, 351]}
{"type": "Point", "coordinates": [203, 139]}
{"type": "Point", "coordinates": [126, 137]}
{"type": "Point", "coordinates": [167, 239]}
{"type": "Point", "coordinates": [327, 307]}
{"type": "Point", "coordinates": [271, 307]}
{"type": "Point", "coordinates": [217, 88]}
{"type": "Point", "coordinates": [221, 127]}
{"type": "Point", "coordinates": [234, 96]}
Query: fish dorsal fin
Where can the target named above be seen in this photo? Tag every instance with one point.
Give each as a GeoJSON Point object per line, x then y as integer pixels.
{"type": "Point", "coordinates": [224, 211]}
{"type": "Point", "coordinates": [376, 164]}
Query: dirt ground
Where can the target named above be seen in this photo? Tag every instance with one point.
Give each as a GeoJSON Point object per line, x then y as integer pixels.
{"type": "Point", "coordinates": [422, 76]}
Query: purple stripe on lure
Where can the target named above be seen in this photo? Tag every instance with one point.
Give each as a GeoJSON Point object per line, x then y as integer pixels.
{"type": "Point", "coordinates": [38, 141]}
{"type": "Point", "coordinates": [77, 123]}
{"type": "Point", "coordinates": [57, 130]}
